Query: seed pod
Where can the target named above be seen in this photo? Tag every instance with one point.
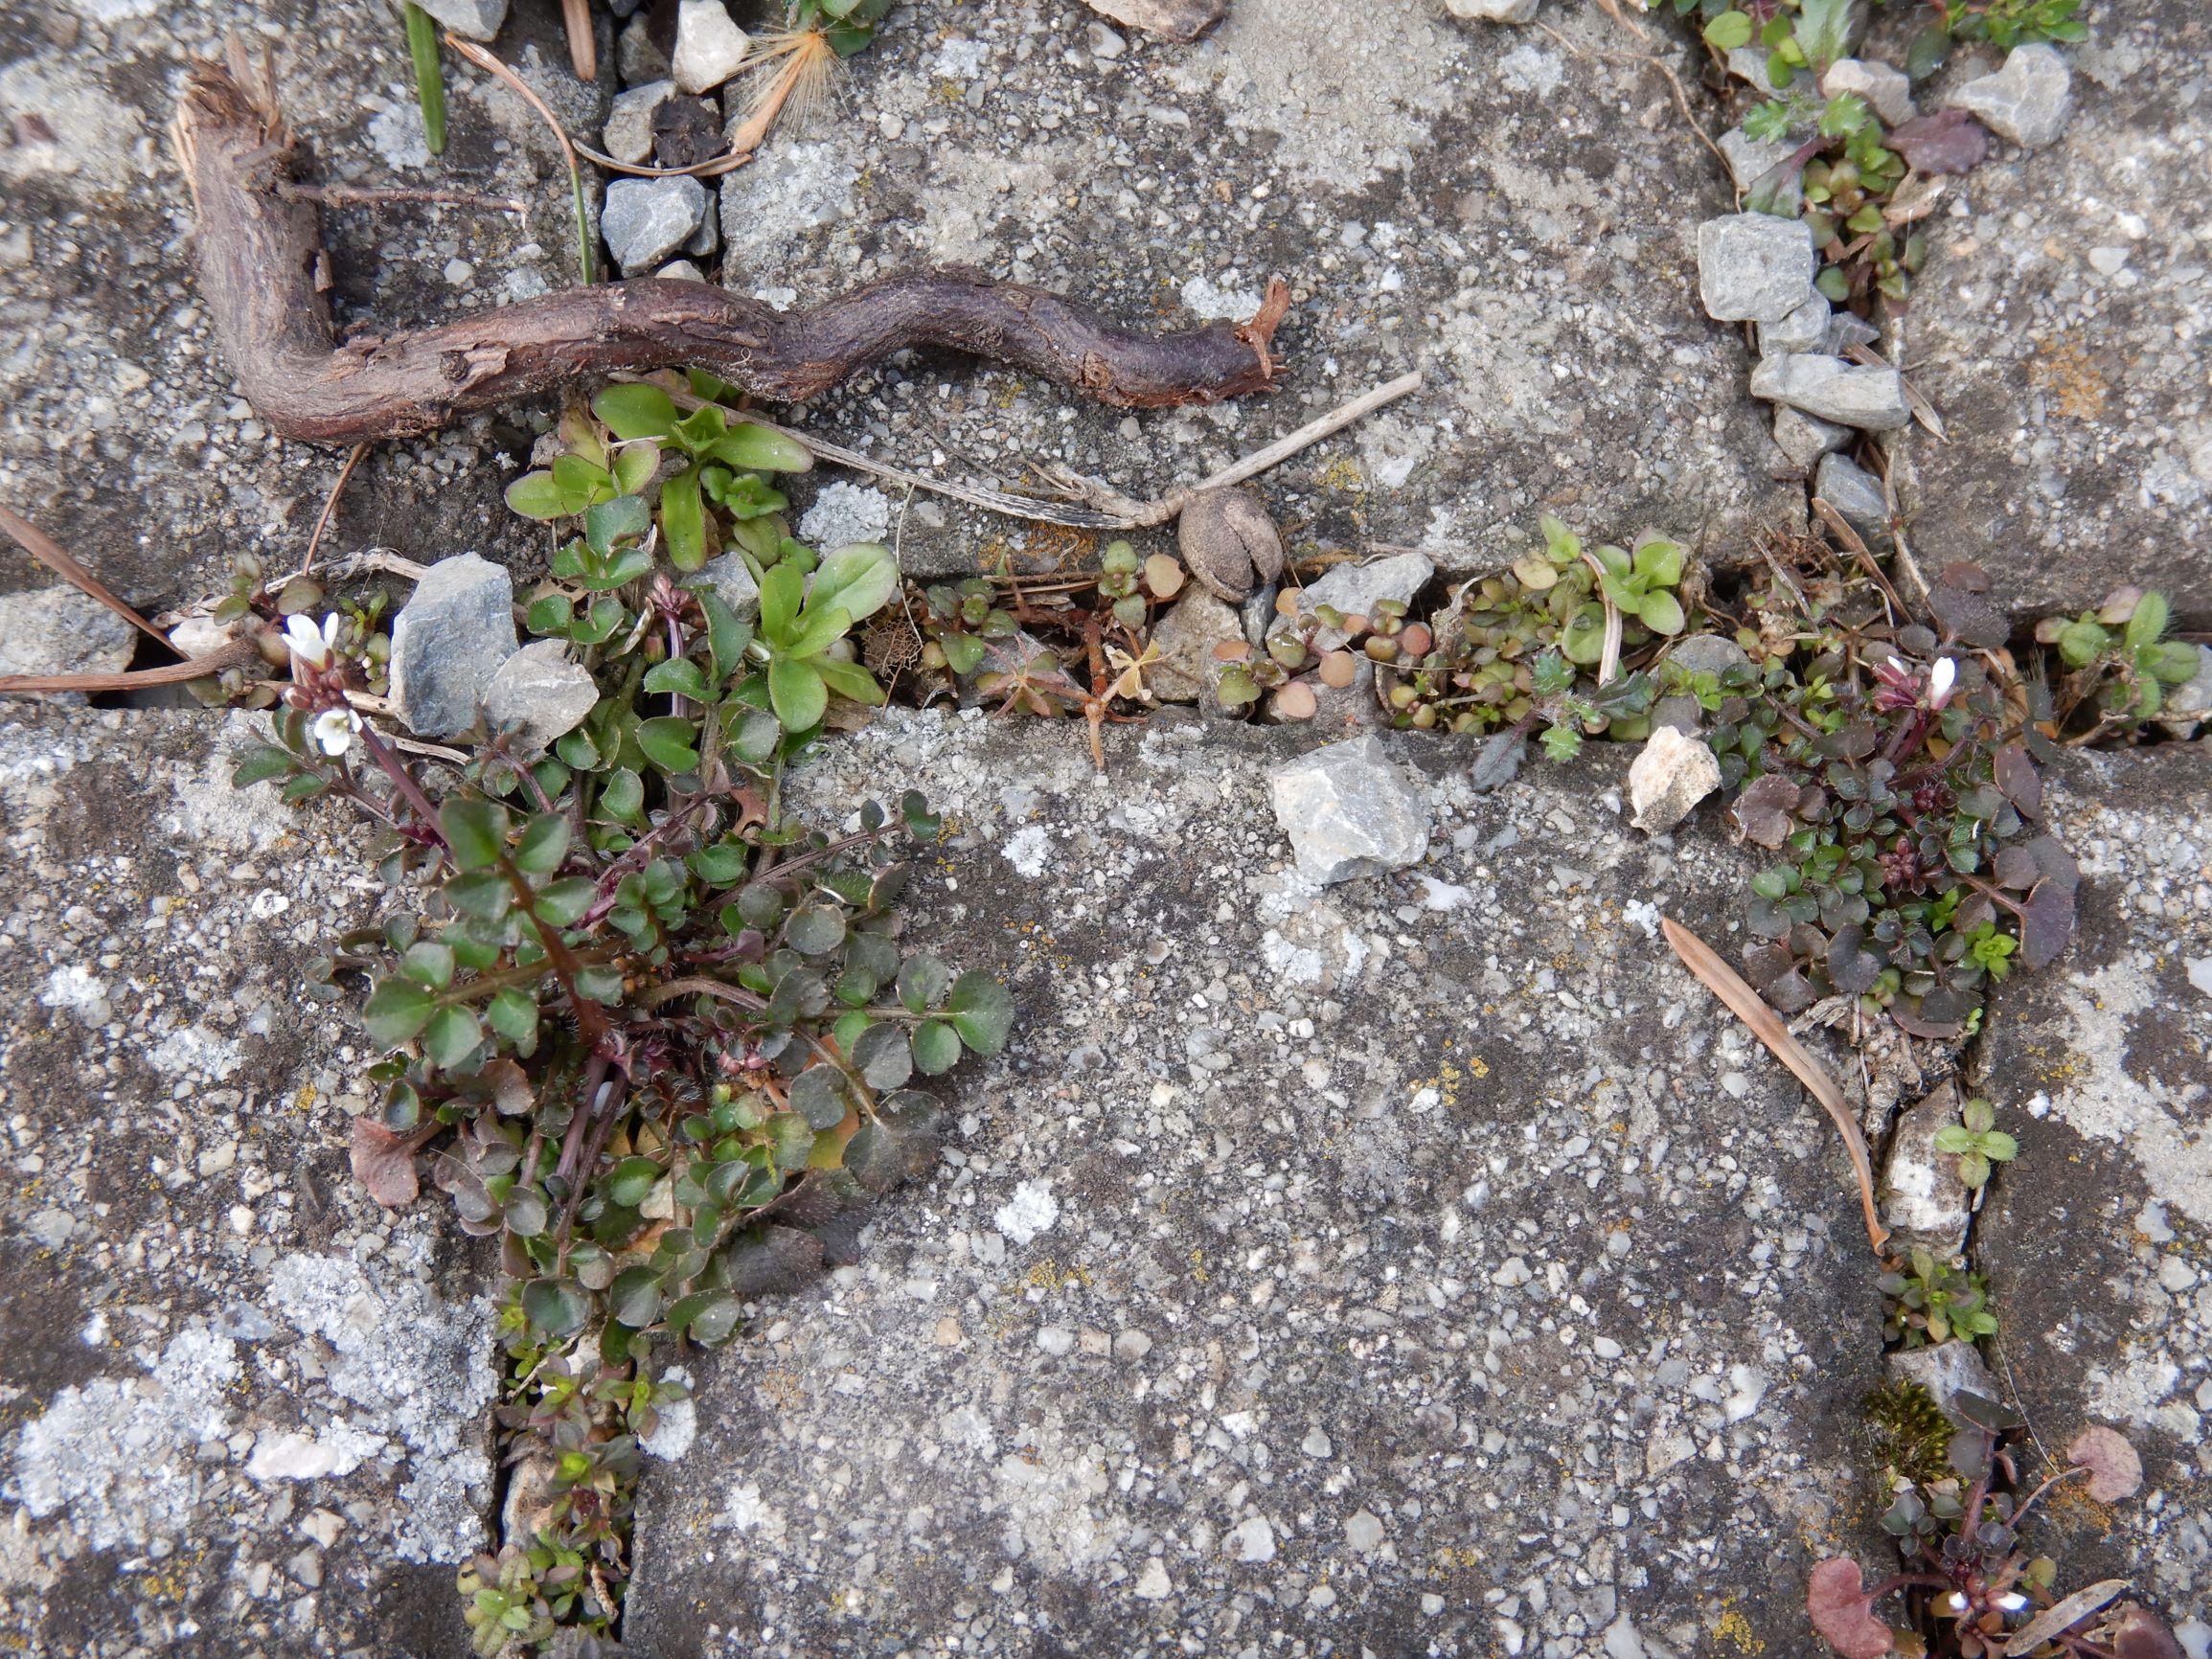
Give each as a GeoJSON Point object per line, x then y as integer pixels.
{"type": "Point", "coordinates": [1226, 536]}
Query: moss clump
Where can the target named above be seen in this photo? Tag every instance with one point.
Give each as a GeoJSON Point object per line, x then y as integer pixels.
{"type": "Point", "coordinates": [1916, 1436]}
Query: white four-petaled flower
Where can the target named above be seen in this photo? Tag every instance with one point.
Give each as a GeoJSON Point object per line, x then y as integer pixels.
{"type": "Point", "coordinates": [309, 643]}
{"type": "Point", "coordinates": [1940, 679]}
{"type": "Point", "coordinates": [334, 730]}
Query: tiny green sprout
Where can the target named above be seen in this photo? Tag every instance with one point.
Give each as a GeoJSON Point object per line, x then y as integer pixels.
{"type": "Point", "coordinates": [1978, 1143]}
{"type": "Point", "coordinates": [1991, 951]}
{"type": "Point", "coordinates": [2119, 654]}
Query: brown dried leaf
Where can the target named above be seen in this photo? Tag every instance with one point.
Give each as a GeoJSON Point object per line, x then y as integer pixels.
{"type": "Point", "coordinates": [2115, 1471]}
{"type": "Point", "coordinates": [2060, 1615]}
{"type": "Point", "coordinates": [385, 1163]}
{"type": "Point", "coordinates": [1225, 535]}
{"type": "Point", "coordinates": [1835, 1600]}
{"type": "Point", "coordinates": [1725, 983]}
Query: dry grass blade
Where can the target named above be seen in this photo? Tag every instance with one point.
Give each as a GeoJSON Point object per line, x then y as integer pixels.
{"type": "Point", "coordinates": [582, 48]}
{"type": "Point", "coordinates": [172, 674]}
{"type": "Point", "coordinates": [522, 89]}
{"type": "Point", "coordinates": [56, 557]}
{"type": "Point", "coordinates": [1746, 1004]}
{"type": "Point", "coordinates": [330, 506]}
{"type": "Point", "coordinates": [1841, 529]}
{"type": "Point", "coordinates": [1923, 411]}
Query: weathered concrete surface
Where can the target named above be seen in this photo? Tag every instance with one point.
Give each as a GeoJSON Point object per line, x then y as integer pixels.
{"type": "Point", "coordinates": [1427, 1265]}
{"type": "Point", "coordinates": [1473, 200]}
{"type": "Point", "coordinates": [203, 1308]}
{"type": "Point", "coordinates": [2061, 326]}
{"type": "Point", "coordinates": [1470, 200]}
{"type": "Point", "coordinates": [2098, 1241]}
{"type": "Point", "coordinates": [121, 431]}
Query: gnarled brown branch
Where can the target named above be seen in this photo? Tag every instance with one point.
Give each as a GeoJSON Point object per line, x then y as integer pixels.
{"type": "Point", "coordinates": [263, 275]}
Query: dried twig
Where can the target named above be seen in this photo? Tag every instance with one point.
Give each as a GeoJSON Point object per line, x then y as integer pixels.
{"type": "Point", "coordinates": [714, 167]}
{"type": "Point", "coordinates": [370, 195]}
{"type": "Point", "coordinates": [1609, 655]}
{"type": "Point", "coordinates": [1746, 1005]}
{"type": "Point", "coordinates": [1109, 510]}
{"type": "Point", "coordinates": [257, 258]}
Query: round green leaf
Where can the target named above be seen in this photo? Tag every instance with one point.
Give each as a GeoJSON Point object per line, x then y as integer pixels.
{"type": "Point", "coordinates": [396, 1010]}
{"type": "Point", "coordinates": [627, 1186]}
{"type": "Point", "coordinates": [1661, 612]}
{"type": "Point", "coordinates": [513, 1014]}
{"type": "Point", "coordinates": [668, 742]}
{"type": "Point", "coordinates": [922, 981]}
{"type": "Point", "coordinates": [883, 1055]}
{"type": "Point", "coordinates": [558, 1307]}
{"type": "Point", "coordinates": [815, 929]}
{"type": "Point", "coordinates": [708, 1317]}
{"type": "Point", "coordinates": [536, 495]}
{"type": "Point", "coordinates": [634, 1298]}
{"type": "Point", "coordinates": [1728, 30]}
{"type": "Point", "coordinates": [428, 963]}
{"type": "Point", "coordinates": [981, 1010]}
{"type": "Point", "coordinates": [860, 579]}
{"type": "Point", "coordinates": [936, 1047]}
{"type": "Point", "coordinates": [475, 829]}
{"type": "Point", "coordinates": [451, 1037]}
{"type": "Point", "coordinates": [544, 844]}
{"type": "Point", "coordinates": [818, 1095]}
{"type": "Point", "coordinates": [525, 1214]}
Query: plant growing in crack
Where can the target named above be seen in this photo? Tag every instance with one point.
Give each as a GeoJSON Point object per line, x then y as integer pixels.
{"type": "Point", "coordinates": [2120, 664]}
{"type": "Point", "coordinates": [659, 1041]}
{"type": "Point", "coordinates": [1970, 1587]}
{"type": "Point", "coordinates": [1931, 1299]}
{"type": "Point", "coordinates": [1976, 1142]}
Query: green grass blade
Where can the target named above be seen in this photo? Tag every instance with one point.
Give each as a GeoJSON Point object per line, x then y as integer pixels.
{"type": "Point", "coordinates": [583, 222]}
{"type": "Point", "coordinates": [429, 80]}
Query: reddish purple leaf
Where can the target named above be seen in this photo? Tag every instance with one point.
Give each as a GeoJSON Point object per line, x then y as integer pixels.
{"type": "Point", "coordinates": [1835, 1600]}
{"type": "Point", "coordinates": [2046, 922]}
{"type": "Point", "coordinates": [2141, 1634]}
{"type": "Point", "coordinates": [2017, 776]}
{"type": "Point", "coordinates": [1763, 812]}
{"type": "Point", "coordinates": [1946, 141]}
{"type": "Point", "coordinates": [2115, 1471]}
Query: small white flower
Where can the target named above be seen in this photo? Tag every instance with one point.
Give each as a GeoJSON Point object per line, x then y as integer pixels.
{"type": "Point", "coordinates": [1939, 682]}
{"type": "Point", "coordinates": [309, 643]}
{"type": "Point", "coordinates": [334, 730]}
